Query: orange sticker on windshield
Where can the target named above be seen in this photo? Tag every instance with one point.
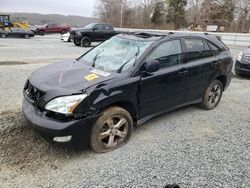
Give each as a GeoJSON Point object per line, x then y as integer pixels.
{"type": "Point", "coordinates": [91, 77]}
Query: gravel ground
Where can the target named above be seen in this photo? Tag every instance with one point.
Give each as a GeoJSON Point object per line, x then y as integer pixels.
{"type": "Point", "coordinates": [40, 49]}
{"type": "Point", "coordinates": [191, 147]}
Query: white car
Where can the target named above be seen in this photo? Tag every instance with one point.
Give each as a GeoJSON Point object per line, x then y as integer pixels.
{"type": "Point", "coordinates": [65, 37]}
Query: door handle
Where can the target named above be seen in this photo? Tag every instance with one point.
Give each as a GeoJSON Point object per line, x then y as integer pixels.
{"type": "Point", "coordinates": [183, 73]}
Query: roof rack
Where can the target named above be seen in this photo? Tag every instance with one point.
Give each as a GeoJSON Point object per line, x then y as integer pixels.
{"type": "Point", "coordinates": [149, 34]}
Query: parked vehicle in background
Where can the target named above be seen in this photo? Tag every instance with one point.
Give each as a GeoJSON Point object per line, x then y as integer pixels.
{"type": "Point", "coordinates": [99, 97]}
{"type": "Point", "coordinates": [94, 32]}
{"type": "Point", "coordinates": [6, 24]}
{"type": "Point", "coordinates": [52, 28]}
{"type": "Point", "coordinates": [17, 32]}
{"type": "Point", "coordinates": [242, 64]}
{"type": "Point", "coordinates": [65, 37]}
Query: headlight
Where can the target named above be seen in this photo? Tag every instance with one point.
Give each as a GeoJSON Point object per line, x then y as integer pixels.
{"type": "Point", "coordinates": [239, 58]}
{"type": "Point", "coordinates": [65, 105]}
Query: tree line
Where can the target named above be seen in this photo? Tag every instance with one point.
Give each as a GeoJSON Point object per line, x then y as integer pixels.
{"type": "Point", "coordinates": [231, 15]}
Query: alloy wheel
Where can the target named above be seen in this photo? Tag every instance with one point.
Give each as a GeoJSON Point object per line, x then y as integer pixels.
{"type": "Point", "coordinates": [214, 95]}
{"type": "Point", "coordinates": [113, 132]}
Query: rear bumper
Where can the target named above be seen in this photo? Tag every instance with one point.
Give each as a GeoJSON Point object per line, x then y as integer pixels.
{"type": "Point", "coordinates": [242, 68]}
{"type": "Point", "coordinates": [49, 128]}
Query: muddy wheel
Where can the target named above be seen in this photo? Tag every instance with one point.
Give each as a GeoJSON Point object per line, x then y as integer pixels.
{"type": "Point", "coordinates": [86, 41]}
{"type": "Point", "coordinates": [77, 42]}
{"type": "Point", "coordinates": [112, 130]}
{"type": "Point", "coordinates": [212, 95]}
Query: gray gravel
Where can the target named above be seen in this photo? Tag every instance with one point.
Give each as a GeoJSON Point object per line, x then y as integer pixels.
{"type": "Point", "coordinates": [190, 146]}
{"type": "Point", "coordinates": [40, 49]}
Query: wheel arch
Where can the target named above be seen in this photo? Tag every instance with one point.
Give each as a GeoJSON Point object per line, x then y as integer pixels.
{"type": "Point", "coordinates": [127, 105]}
{"type": "Point", "coordinates": [223, 80]}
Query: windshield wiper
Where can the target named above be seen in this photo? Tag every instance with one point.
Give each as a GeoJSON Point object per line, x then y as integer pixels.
{"type": "Point", "coordinates": [95, 58]}
{"type": "Point", "coordinates": [135, 56]}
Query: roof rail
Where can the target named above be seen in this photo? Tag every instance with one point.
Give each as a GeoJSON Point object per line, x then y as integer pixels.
{"type": "Point", "coordinates": [149, 34]}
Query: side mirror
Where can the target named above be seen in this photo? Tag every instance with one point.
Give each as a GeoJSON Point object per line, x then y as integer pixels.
{"type": "Point", "coordinates": [94, 29]}
{"type": "Point", "coordinates": [151, 65]}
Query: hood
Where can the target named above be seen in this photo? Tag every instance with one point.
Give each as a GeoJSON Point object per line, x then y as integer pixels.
{"type": "Point", "coordinates": [68, 75]}
{"type": "Point", "coordinates": [80, 30]}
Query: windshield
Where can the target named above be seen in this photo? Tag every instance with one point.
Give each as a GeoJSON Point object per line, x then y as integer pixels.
{"type": "Point", "coordinates": [89, 26]}
{"type": "Point", "coordinates": [115, 55]}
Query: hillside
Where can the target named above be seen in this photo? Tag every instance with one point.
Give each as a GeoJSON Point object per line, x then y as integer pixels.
{"type": "Point", "coordinates": [39, 19]}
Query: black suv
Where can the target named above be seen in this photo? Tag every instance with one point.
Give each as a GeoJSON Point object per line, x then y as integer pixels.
{"type": "Point", "coordinates": [125, 81]}
{"type": "Point", "coordinates": [92, 33]}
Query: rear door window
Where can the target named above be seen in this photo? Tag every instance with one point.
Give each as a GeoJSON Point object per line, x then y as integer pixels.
{"type": "Point", "coordinates": [107, 27]}
{"type": "Point", "coordinates": [196, 49]}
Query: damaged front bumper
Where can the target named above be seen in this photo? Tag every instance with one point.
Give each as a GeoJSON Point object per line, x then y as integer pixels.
{"type": "Point", "coordinates": [75, 131]}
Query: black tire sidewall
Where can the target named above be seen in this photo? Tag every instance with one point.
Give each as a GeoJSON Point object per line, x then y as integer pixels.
{"type": "Point", "coordinates": [86, 42]}
{"type": "Point", "coordinates": [41, 32]}
{"type": "Point", "coordinates": [63, 32]}
{"type": "Point", "coordinates": [77, 42]}
{"type": "Point", "coordinates": [204, 103]}
{"type": "Point", "coordinates": [95, 144]}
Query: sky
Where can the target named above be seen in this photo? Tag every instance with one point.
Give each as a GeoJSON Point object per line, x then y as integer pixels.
{"type": "Point", "coordinates": [65, 7]}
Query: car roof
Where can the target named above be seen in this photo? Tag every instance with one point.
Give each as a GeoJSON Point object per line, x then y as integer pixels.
{"type": "Point", "coordinates": [158, 36]}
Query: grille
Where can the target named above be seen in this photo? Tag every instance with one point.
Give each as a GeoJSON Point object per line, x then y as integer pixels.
{"type": "Point", "coordinates": [245, 66]}
{"type": "Point", "coordinates": [32, 92]}
{"type": "Point", "coordinates": [246, 58]}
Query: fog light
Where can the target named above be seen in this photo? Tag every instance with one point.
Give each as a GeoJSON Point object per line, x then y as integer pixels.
{"type": "Point", "coordinates": [62, 138]}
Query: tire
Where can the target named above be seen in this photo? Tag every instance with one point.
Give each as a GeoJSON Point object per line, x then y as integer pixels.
{"type": "Point", "coordinates": [63, 32]}
{"type": "Point", "coordinates": [212, 95]}
{"type": "Point", "coordinates": [3, 35]}
{"type": "Point", "coordinates": [26, 36]}
{"type": "Point", "coordinates": [77, 42]}
{"type": "Point", "coordinates": [41, 32]}
{"type": "Point", "coordinates": [111, 130]}
{"type": "Point", "coordinates": [86, 42]}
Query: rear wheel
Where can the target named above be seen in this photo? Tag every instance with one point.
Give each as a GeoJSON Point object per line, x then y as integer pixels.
{"type": "Point", "coordinates": [112, 130]}
{"type": "Point", "coordinates": [3, 35]}
{"type": "Point", "coordinates": [26, 36]}
{"type": "Point", "coordinates": [86, 41]}
{"type": "Point", "coordinates": [63, 32]}
{"type": "Point", "coordinates": [77, 42]}
{"type": "Point", "coordinates": [41, 32]}
{"type": "Point", "coordinates": [212, 95]}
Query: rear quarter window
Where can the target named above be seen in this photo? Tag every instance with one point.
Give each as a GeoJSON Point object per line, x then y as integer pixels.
{"type": "Point", "coordinates": [215, 49]}
{"type": "Point", "coordinates": [196, 49]}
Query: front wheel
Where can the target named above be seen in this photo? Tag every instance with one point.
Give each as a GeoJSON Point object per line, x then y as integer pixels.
{"type": "Point", "coordinates": [112, 130]}
{"type": "Point", "coordinates": [212, 95]}
{"type": "Point", "coordinates": [77, 42]}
